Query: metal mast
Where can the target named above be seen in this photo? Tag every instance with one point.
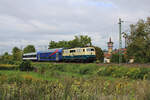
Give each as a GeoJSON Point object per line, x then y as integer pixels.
{"type": "Point", "coordinates": [120, 41]}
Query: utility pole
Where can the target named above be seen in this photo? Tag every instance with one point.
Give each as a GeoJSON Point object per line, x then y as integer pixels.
{"type": "Point", "coordinates": [120, 41]}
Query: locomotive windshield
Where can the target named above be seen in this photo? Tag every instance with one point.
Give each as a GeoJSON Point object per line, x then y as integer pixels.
{"type": "Point", "coordinates": [92, 49]}
{"type": "Point", "coordinates": [89, 49]}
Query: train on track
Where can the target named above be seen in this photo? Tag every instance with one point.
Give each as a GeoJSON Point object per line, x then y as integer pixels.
{"type": "Point", "coordinates": [86, 54]}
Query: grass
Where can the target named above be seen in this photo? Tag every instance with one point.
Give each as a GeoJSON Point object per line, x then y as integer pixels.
{"type": "Point", "coordinates": [83, 70]}
{"type": "Point", "coordinates": [11, 74]}
{"type": "Point", "coordinates": [54, 71]}
{"type": "Point", "coordinates": [51, 81]}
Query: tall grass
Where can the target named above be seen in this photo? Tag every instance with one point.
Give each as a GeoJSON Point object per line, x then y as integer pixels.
{"type": "Point", "coordinates": [52, 81]}
{"type": "Point", "coordinates": [74, 89]}
{"type": "Point", "coordinates": [94, 69]}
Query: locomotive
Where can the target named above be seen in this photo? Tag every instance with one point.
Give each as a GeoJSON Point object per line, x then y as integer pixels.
{"type": "Point", "coordinates": [85, 54]}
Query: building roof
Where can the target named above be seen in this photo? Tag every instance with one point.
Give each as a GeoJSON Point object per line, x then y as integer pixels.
{"type": "Point", "coordinates": [106, 55]}
{"type": "Point", "coordinates": [110, 40]}
{"type": "Point", "coordinates": [124, 51]}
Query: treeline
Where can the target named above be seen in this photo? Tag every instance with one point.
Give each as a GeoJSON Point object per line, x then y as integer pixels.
{"type": "Point", "coordinates": [16, 55]}
{"type": "Point", "coordinates": [78, 41]}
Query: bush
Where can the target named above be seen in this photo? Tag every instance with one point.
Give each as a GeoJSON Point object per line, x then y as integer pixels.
{"type": "Point", "coordinates": [87, 69]}
{"type": "Point", "coordinates": [84, 71]}
{"type": "Point", "coordinates": [119, 72]}
{"type": "Point", "coordinates": [26, 66]}
{"type": "Point", "coordinates": [106, 71]}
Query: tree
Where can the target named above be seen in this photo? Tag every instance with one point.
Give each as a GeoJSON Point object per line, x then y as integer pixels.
{"type": "Point", "coordinates": [81, 41]}
{"type": "Point", "coordinates": [52, 44]}
{"type": "Point", "coordinates": [6, 58]}
{"type": "Point", "coordinates": [78, 41]}
{"type": "Point", "coordinates": [29, 49]}
{"type": "Point", "coordinates": [99, 54]}
{"type": "Point", "coordinates": [60, 44]}
{"type": "Point", "coordinates": [139, 41]}
{"type": "Point", "coordinates": [16, 54]}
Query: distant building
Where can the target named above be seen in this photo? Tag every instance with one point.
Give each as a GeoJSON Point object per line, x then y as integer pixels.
{"type": "Point", "coordinates": [110, 46]}
{"type": "Point", "coordinates": [107, 55]}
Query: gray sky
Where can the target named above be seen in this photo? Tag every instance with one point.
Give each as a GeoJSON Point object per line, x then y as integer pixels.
{"type": "Point", "coordinates": [37, 22]}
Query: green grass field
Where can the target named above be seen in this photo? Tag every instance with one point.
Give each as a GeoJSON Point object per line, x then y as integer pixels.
{"type": "Point", "coordinates": [69, 81]}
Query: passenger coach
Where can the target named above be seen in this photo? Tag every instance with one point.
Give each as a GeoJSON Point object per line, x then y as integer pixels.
{"type": "Point", "coordinates": [30, 56]}
{"type": "Point", "coordinates": [49, 55]}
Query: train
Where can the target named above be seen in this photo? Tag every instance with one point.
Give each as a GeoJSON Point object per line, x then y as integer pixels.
{"type": "Point", "coordinates": [80, 54]}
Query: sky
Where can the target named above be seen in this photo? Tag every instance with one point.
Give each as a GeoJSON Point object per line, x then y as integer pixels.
{"type": "Point", "coordinates": [37, 22]}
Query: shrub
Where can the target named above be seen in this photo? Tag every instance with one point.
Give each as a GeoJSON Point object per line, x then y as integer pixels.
{"type": "Point", "coordinates": [26, 66]}
{"type": "Point", "coordinates": [87, 69]}
{"type": "Point", "coordinates": [84, 71]}
{"type": "Point", "coordinates": [106, 71]}
{"type": "Point", "coordinates": [133, 73]}
{"type": "Point", "coordinates": [119, 72]}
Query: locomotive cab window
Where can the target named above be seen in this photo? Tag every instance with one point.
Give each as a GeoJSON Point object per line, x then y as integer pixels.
{"type": "Point", "coordinates": [89, 50]}
{"type": "Point", "coordinates": [72, 51]}
{"type": "Point", "coordinates": [92, 49]}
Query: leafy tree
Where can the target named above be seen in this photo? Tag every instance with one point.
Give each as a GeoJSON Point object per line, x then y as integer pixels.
{"type": "Point", "coordinates": [99, 54]}
{"type": "Point", "coordinates": [6, 58]}
{"type": "Point", "coordinates": [16, 54]}
{"type": "Point", "coordinates": [52, 44]}
{"type": "Point", "coordinates": [29, 49]}
{"type": "Point", "coordinates": [139, 42]}
{"type": "Point", "coordinates": [78, 41]}
{"type": "Point", "coordinates": [81, 41]}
